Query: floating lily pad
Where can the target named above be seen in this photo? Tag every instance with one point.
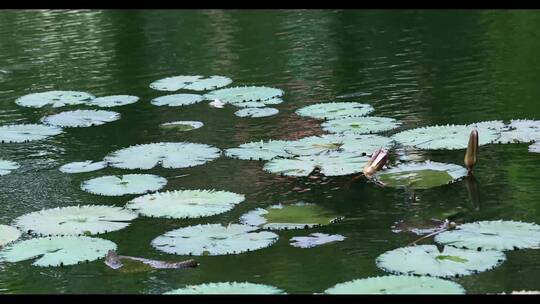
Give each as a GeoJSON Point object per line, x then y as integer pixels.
{"type": "Point", "coordinates": [334, 110]}
{"type": "Point", "coordinates": [7, 166]}
{"type": "Point", "coordinates": [54, 98]}
{"type": "Point", "coordinates": [259, 150]}
{"type": "Point", "coordinates": [213, 239]}
{"type": "Point", "coordinates": [360, 125]}
{"type": "Point", "coordinates": [8, 234]}
{"type": "Point", "coordinates": [236, 95]}
{"type": "Point", "coordinates": [113, 101]}
{"type": "Point", "coordinates": [75, 220]}
{"type": "Point", "coordinates": [167, 154]}
{"type": "Point", "coordinates": [535, 148]}
{"type": "Point", "coordinates": [27, 132]}
{"type": "Point", "coordinates": [227, 288]}
{"type": "Point", "coordinates": [295, 216]}
{"type": "Point", "coordinates": [57, 251]}
{"type": "Point", "coordinates": [197, 83]}
{"type": "Point", "coordinates": [84, 166]}
{"type": "Point", "coordinates": [81, 118]}
{"type": "Point", "coordinates": [423, 175]}
{"type": "Point", "coordinates": [330, 164]}
{"type": "Point", "coordinates": [449, 137]}
{"type": "Point", "coordinates": [117, 185]}
{"type": "Point", "coordinates": [496, 235]}
{"type": "Point", "coordinates": [520, 131]}
{"type": "Point", "coordinates": [397, 285]}
{"type": "Point", "coordinates": [315, 239]}
{"type": "Point", "coordinates": [419, 226]}
{"type": "Point", "coordinates": [185, 203]}
{"type": "Point", "coordinates": [354, 144]}
{"type": "Point", "coordinates": [256, 112]}
{"type": "Point", "coordinates": [257, 104]}
{"type": "Point", "coordinates": [177, 100]}
{"type": "Point", "coordinates": [427, 260]}
{"type": "Point", "coordinates": [182, 125]}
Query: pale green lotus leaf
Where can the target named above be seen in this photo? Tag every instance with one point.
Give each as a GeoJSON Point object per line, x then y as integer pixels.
{"type": "Point", "coordinates": [54, 98]}
{"type": "Point", "coordinates": [6, 166]}
{"type": "Point", "coordinates": [185, 125]}
{"type": "Point", "coordinates": [57, 251]}
{"type": "Point", "coordinates": [185, 203]}
{"type": "Point", "coordinates": [360, 125]}
{"type": "Point", "coordinates": [350, 143]}
{"type": "Point", "coordinates": [492, 235]}
{"type": "Point", "coordinates": [75, 220]}
{"type": "Point", "coordinates": [27, 132]}
{"type": "Point", "coordinates": [334, 110]}
{"type": "Point", "coordinates": [196, 83]}
{"type": "Point", "coordinates": [118, 185]}
{"type": "Point", "coordinates": [315, 239]}
{"type": "Point", "coordinates": [259, 150]}
{"type": "Point", "coordinates": [177, 100]}
{"type": "Point", "coordinates": [81, 118]}
{"type": "Point", "coordinates": [329, 163]}
{"type": "Point", "coordinates": [113, 101]}
{"type": "Point", "coordinates": [393, 284]}
{"type": "Point", "coordinates": [84, 166]}
{"type": "Point", "coordinates": [294, 216]}
{"type": "Point", "coordinates": [427, 260]}
{"type": "Point", "coordinates": [520, 131]}
{"type": "Point", "coordinates": [227, 288]}
{"type": "Point", "coordinates": [214, 239]}
{"type": "Point", "coordinates": [237, 95]}
{"type": "Point", "coordinates": [166, 154]}
{"type": "Point", "coordinates": [421, 175]}
{"type": "Point", "coordinates": [449, 137]}
{"type": "Point", "coordinates": [8, 234]}
{"type": "Point", "coordinates": [256, 112]}
{"type": "Point", "coordinates": [257, 104]}
{"type": "Point", "coordinates": [535, 148]}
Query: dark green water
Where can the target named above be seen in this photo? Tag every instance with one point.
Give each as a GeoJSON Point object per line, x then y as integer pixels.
{"type": "Point", "coordinates": [422, 67]}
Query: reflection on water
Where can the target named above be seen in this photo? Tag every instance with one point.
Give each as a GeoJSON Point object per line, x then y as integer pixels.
{"type": "Point", "coordinates": [422, 67]}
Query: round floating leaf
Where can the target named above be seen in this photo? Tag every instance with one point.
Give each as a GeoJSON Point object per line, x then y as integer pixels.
{"type": "Point", "coordinates": [315, 239]}
{"type": "Point", "coordinates": [535, 147]}
{"type": "Point", "coordinates": [57, 251]}
{"type": "Point", "coordinates": [520, 131]}
{"type": "Point", "coordinates": [237, 95]}
{"type": "Point", "coordinates": [497, 235]}
{"type": "Point", "coordinates": [113, 101]}
{"type": "Point", "coordinates": [182, 125]}
{"type": "Point", "coordinates": [75, 220]}
{"type": "Point", "coordinates": [84, 166]}
{"type": "Point", "coordinates": [423, 175]}
{"type": "Point", "coordinates": [427, 260]}
{"type": "Point", "coordinates": [54, 98]}
{"type": "Point", "coordinates": [177, 100]}
{"type": "Point", "coordinates": [257, 104]}
{"type": "Point", "coordinates": [295, 216]}
{"type": "Point", "coordinates": [449, 137]}
{"type": "Point", "coordinates": [397, 285]}
{"type": "Point", "coordinates": [213, 239]}
{"type": "Point", "coordinates": [81, 118]}
{"type": "Point", "coordinates": [334, 110]}
{"type": "Point", "coordinates": [27, 132]}
{"type": "Point", "coordinates": [117, 185]}
{"type": "Point", "coordinates": [185, 203]}
{"type": "Point", "coordinates": [169, 155]}
{"type": "Point", "coordinates": [354, 144]}
{"type": "Point", "coordinates": [227, 288]}
{"type": "Point", "coordinates": [8, 234]}
{"type": "Point", "coordinates": [259, 150]}
{"type": "Point", "coordinates": [256, 112]}
{"type": "Point", "coordinates": [7, 166]}
{"type": "Point", "coordinates": [360, 125]}
{"type": "Point", "coordinates": [330, 164]}
{"type": "Point", "coordinates": [197, 83]}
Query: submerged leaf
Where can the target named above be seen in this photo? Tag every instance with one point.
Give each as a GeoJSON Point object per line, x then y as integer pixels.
{"type": "Point", "coordinates": [81, 118]}
{"type": "Point", "coordinates": [227, 288]}
{"type": "Point", "coordinates": [360, 125]}
{"type": "Point", "coordinates": [236, 95]}
{"type": "Point", "coordinates": [182, 125]}
{"type": "Point", "coordinates": [256, 112]}
{"type": "Point", "coordinates": [84, 166]}
{"type": "Point", "coordinates": [27, 132]}
{"type": "Point", "coordinates": [54, 98]}
{"type": "Point", "coordinates": [8, 234]}
{"type": "Point", "coordinates": [334, 110]}
{"type": "Point", "coordinates": [6, 166]}
{"type": "Point", "coordinates": [397, 285]}
{"type": "Point", "coordinates": [197, 83]}
{"type": "Point", "coordinates": [315, 239]}
{"type": "Point", "coordinates": [117, 185]}
{"type": "Point", "coordinates": [113, 101]}
{"type": "Point", "coordinates": [177, 100]}
{"type": "Point", "coordinates": [422, 175]}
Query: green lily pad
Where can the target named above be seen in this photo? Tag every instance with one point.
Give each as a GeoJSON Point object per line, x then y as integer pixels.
{"type": "Point", "coordinates": [182, 125]}
{"type": "Point", "coordinates": [492, 235]}
{"type": "Point", "coordinates": [113, 101]}
{"type": "Point", "coordinates": [397, 285]}
{"type": "Point", "coordinates": [427, 260]}
{"type": "Point", "coordinates": [84, 166]}
{"type": "Point", "coordinates": [259, 150]}
{"type": "Point", "coordinates": [227, 288]}
{"type": "Point", "coordinates": [57, 251]}
{"type": "Point", "coordinates": [422, 175]}
{"type": "Point", "coordinates": [8, 234]}
{"type": "Point", "coordinates": [177, 100]}
{"type": "Point", "coordinates": [335, 110]}
{"type": "Point", "coordinates": [520, 131]}
{"type": "Point", "coordinates": [54, 98]}
{"type": "Point", "coordinates": [315, 239]}
{"type": "Point", "coordinates": [535, 148]}
{"type": "Point", "coordinates": [80, 118]}
{"type": "Point", "coordinates": [256, 112]}
{"type": "Point", "coordinates": [117, 185]}
{"type": "Point", "coordinates": [197, 83]}
{"type": "Point", "coordinates": [360, 145]}
{"type": "Point", "coordinates": [237, 95]}
{"type": "Point", "coordinates": [27, 132]}
{"type": "Point", "coordinates": [6, 166]}
{"type": "Point", "coordinates": [360, 125]}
